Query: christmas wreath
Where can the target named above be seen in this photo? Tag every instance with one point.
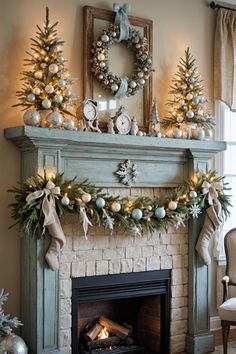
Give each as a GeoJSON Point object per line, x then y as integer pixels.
{"type": "Point", "coordinates": [121, 86]}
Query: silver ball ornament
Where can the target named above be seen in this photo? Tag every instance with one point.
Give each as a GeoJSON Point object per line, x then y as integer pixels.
{"type": "Point", "coordinates": [61, 83]}
{"type": "Point", "coordinates": [53, 68]}
{"type": "Point", "coordinates": [49, 89]}
{"type": "Point", "coordinates": [60, 59]}
{"type": "Point", "coordinates": [30, 97]}
{"type": "Point", "coordinates": [132, 84]}
{"type": "Point", "coordinates": [105, 38]}
{"type": "Point", "coordinates": [69, 124]}
{"type": "Point", "coordinates": [193, 194]}
{"type": "Point", "coordinates": [55, 120]}
{"type": "Point", "coordinates": [101, 57]}
{"type": "Point", "coordinates": [190, 114]}
{"type": "Point", "coordinates": [58, 98]}
{"type": "Point", "coordinates": [32, 117]}
{"type": "Point", "coordinates": [65, 201]}
{"type": "Point", "coordinates": [114, 87]}
{"type": "Point", "coordinates": [46, 103]}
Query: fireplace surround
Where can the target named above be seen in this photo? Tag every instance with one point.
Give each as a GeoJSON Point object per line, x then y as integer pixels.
{"type": "Point", "coordinates": [160, 163]}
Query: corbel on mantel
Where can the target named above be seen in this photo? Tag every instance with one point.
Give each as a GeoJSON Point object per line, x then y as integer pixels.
{"type": "Point", "coordinates": [160, 163]}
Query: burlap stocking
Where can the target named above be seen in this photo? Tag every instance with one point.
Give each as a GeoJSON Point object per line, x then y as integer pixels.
{"type": "Point", "coordinates": [211, 224]}
{"type": "Point", "coordinates": [57, 242]}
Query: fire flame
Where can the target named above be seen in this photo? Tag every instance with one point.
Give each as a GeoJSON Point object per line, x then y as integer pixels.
{"type": "Point", "coordinates": [103, 334]}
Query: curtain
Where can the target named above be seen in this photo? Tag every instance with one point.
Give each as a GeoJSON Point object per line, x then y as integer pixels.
{"type": "Point", "coordinates": [225, 58]}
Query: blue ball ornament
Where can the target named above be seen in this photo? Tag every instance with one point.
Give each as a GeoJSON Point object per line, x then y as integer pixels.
{"type": "Point", "coordinates": [100, 202]}
{"type": "Point", "coordinates": [61, 83]}
{"type": "Point", "coordinates": [160, 213]}
{"type": "Point", "coordinates": [137, 214]}
{"type": "Point", "coordinates": [191, 79]}
{"type": "Point", "coordinates": [58, 98]}
{"type": "Point", "coordinates": [60, 59]}
{"type": "Point", "coordinates": [195, 100]}
{"type": "Point", "coordinates": [31, 97]}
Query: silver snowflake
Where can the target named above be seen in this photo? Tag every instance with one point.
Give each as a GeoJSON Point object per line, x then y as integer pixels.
{"type": "Point", "coordinates": [180, 219]}
{"type": "Point", "coordinates": [127, 172]}
{"type": "Point", "coordinates": [195, 210]}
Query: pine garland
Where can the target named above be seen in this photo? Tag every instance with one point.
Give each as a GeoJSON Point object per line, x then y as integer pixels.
{"type": "Point", "coordinates": [187, 200]}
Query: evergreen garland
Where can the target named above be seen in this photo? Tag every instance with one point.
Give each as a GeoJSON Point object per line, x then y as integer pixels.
{"type": "Point", "coordinates": [187, 200]}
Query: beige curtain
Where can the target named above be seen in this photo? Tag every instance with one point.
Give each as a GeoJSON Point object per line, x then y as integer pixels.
{"type": "Point", "coordinates": [225, 58]}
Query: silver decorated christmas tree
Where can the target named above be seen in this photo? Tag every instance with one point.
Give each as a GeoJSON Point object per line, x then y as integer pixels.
{"type": "Point", "coordinates": [188, 105]}
{"type": "Point", "coordinates": [47, 83]}
{"type": "Point", "coordinates": [6, 323]}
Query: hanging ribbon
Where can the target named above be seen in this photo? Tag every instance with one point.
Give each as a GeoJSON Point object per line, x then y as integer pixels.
{"type": "Point", "coordinates": [51, 221]}
{"type": "Point", "coordinates": [122, 20]}
{"type": "Point", "coordinates": [123, 88]}
{"type": "Point", "coordinates": [85, 220]}
{"type": "Point", "coordinates": [212, 190]}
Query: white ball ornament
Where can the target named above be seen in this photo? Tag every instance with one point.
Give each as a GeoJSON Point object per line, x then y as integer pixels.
{"type": "Point", "coordinates": [58, 98]}
{"type": "Point", "coordinates": [140, 74]}
{"type": "Point", "coordinates": [101, 57]}
{"type": "Point", "coordinates": [114, 87]}
{"type": "Point", "coordinates": [60, 59]}
{"type": "Point", "coordinates": [105, 38]}
{"type": "Point", "coordinates": [141, 81]}
{"type": "Point", "coordinates": [55, 120]}
{"type": "Point", "coordinates": [193, 194]}
{"type": "Point", "coordinates": [46, 103]}
{"type": "Point", "coordinates": [32, 117]}
{"type": "Point", "coordinates": [180, 119]}
{"type": "Point", "coordinates": [181, 102]}
{"type": "Point", "coordinates": [189, 96]}
{"type": "Point", "coordinates": [53, 68]}
{"type": "Point", "coordinates": [100, 77]}
{"type": "Point", "coordinates": [65, 201]}
{"type": "Point", "coordinates": [172, 205]}
{"type": "Point", "coordinates": [49, 89]}
{"type": "Point", "coordinates": [132, 84]}
{"type": "Point", "coordinates": [31, 97]}
{"type": "Point", "coordinates": [115, 207]}
{"type": "Point", "coordinates": [160, 213]}
{"type": "Point", "coordinates": [38, 74]}
{"type": "Point", "coordinates": [190, 114]}
{"type": "Point", "coordinates": [195, 100]}
{"type": "Point", "coordinates": [100, 202]}
{"type": "Point", "coordinates": [86, 197]}
{"type": "Point", "coordinates": [36, 91]}
{"type": "Point", "coordinates": [102, 64]}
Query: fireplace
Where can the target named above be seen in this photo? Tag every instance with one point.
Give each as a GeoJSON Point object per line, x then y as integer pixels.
{"type": "Point", "coordinates": [141, 300]}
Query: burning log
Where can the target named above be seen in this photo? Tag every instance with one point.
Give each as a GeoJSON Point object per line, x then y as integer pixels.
{"type": "Point", "coordinates": [115, 328]}
{"type": "Point", "coordinates": [94, 331]}
{"type": "Point", "coordinates": [103, 343]}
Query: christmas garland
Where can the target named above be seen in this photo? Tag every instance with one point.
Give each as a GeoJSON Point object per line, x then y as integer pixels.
{"type": "Point", "coordinates": [100, 65]}
{"type": "Point", "coordinates": [94, 207]}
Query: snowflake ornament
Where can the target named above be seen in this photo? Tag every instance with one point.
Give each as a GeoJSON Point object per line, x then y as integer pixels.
{"type": "Point", "coordinates": [180, 219]}
{"type": "Point", "coordinates": [195, 210]}
{"type": "Point", "coordinates": [127, 172]}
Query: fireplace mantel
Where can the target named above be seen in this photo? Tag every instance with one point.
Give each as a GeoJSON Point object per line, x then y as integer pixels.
{"type": "Point", "coordinates": [160, 162]}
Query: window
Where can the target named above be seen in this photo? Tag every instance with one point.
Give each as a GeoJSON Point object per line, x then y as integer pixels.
{"type": "Point", "coordinates": [226, 164]}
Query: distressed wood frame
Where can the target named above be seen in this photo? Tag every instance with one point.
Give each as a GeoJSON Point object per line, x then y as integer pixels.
{"type": "Point", "coordinates": [90, 14]}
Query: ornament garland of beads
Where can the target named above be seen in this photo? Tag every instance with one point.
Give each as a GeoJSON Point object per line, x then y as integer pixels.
{"type": "Point", "coordinates": [121, 86]}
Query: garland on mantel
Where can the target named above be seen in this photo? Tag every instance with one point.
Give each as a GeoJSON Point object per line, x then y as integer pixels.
{"type": "Point", "coordinates": [42, 202]}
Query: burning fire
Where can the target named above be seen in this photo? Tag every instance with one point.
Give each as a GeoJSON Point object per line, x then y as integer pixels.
{"type": "Point", "coordinates": [103, 333]}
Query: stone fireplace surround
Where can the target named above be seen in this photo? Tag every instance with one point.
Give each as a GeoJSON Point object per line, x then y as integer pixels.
{"type": "Point", "coordinates": [46, 295]}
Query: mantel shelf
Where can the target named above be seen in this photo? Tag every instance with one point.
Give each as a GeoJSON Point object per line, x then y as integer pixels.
{"type": "Point", "coordinates": [160, 161]}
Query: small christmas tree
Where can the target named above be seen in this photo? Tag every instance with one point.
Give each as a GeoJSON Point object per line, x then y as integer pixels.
{"type": "Point", "coordinates": [47, 85]}
{"type": "Point", "coordinates": [188, 105]}
{"type": "Point", "coordinates": [6, 323]}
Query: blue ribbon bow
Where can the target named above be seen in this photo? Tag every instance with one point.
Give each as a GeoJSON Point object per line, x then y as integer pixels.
{"type": "Point", "coordinates": [122, 20]}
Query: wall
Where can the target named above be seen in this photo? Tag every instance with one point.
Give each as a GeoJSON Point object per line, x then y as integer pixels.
{"type": "Point", "coordinates": [177, 25]}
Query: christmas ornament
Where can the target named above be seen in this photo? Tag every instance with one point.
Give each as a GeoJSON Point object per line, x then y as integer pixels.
{"type": "Point", "coordinates": [177, 133]}
{"type": "Point", "coordinates": [65, 201]}
{"type": "Point", "coordinates": [208, 134]}
{"type": "Point", "coordinates": [46, 103]}
{"type": "Point", "coordinates": [32, 117]}
{"type": "Point", "coordinates": [38, 74]}
{"type": "Point", "coordinates": [31, 97]}
{"type": "Point", "coordinates": [69, 124]}
{"type": "Point", "coordinates": [137, 214]}
{"type": "Point", "coordinates": [86, 197]}
{"type": "Point", "coordinates": [49, 89]}
{"type": "Point", "coordinates": [54, 120]}
{"type": "Point", "coordinates": [195, 210]}
{"type": "Point", "coordinates": [115, 207]}
{"type": "Point", "coordinates": [190, 114]}
{"type": "Point", "coordinates": [61, 83]}
{"type": "Point", "coordinates": [172, 205]}
{"type": "Point", "coordinates": [198, 134]}
{"type": "Point", "coordinates": [53, 68]}
{"type": "Point", "coordinates": [127, 172]}
{"type": "Point", "coordinates": [193, 194]}
{"type": "Point", "coordinates": [160, 213]}
{"type": "Point", "coordinates": [36, 91]}
{"type": "Point", "coordinates": [100, 202]}
{"type": "Point", "coordinates": [58, 98]}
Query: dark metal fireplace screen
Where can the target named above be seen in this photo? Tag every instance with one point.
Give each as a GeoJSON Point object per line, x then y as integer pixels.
{"type": "Point", "coordinates": [133, 308]}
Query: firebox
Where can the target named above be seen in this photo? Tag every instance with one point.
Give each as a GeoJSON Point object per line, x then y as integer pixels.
{"type": "Point", "coordinates": [121, 313]}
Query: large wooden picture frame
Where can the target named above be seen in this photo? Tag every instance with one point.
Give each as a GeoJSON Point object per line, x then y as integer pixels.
{"type": "Point", "coordinates": [90, 15]}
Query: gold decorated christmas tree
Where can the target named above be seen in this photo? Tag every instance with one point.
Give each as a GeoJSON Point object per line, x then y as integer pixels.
{"type": "Point", "coordinates": [47, 83]}
{"type": "Point", "coordinates": [188, 105]}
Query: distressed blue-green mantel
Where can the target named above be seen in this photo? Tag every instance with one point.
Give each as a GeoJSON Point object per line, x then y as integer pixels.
{"type": "Point", "coordinates": [160, 163]}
